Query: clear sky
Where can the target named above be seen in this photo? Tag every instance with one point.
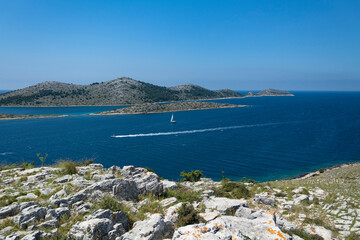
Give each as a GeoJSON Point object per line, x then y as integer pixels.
{"type": "Point", "coordinates": [239, 44]}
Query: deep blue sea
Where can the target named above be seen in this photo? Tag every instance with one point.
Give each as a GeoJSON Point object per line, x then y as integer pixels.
{"type": "Point", "coordinates": [275, 138]}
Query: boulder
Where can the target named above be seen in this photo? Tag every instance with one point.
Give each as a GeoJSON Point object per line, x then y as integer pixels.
{"type": "Point", "coordinates": [208, 216]}
{"type": "Point", "coordinates": [299, 198]}
{"type": "Point", "coordinates": [320, 231]}
{"type": "Point", "coordinates": [8, 211]}
{"type": "Point", "coordinates": [33, 236]}
{"type": "Point", "coordinates": [207, 193]}
{"type": "Point", "coordinates": [153, 228]}
{"type": "Point", "coordinates": [285, 224]}
{"type": "Point", "coordinates": [49, 224]}
{"type": "Point", "coordinates": [171, 213]}
{"type": "Point", "coordinates": [224, 205]}
{"type": "Point", "coordinates": [169, 184]}
{"type": "Point", "coordinates": [230, 227]}
{"type": "Point", "coordinates": [57, 213]}
{"type": "Point", "coordinates": [27, 196]}
{"type": "Point", "coordinates": [63, 179]}
{"type": "Point", "coordinates": [91, 229]}
{"type": "Point", "coordinates": [168, 201]}
{"type": "Point", "coordinates": [245, 213]}
{"type": "Point", "coordinates": [101, 224]}
{"type": "Point", "coordinates": [29, 215]}
{"type": "Point", "coordinates": [265, 199]}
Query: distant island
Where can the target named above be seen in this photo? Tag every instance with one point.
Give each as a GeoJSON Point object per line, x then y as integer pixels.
{"type": "Point", "coordinates": [169, 107]}
{"type": "Point", "coordinates": [121, 91]}
{"type": "Point", "coordinates": [16, 116]}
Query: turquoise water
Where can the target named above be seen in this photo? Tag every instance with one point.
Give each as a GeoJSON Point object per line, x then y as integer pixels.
{"type": "Point", "coordinates": [278, 137]}
{"type": "Point", "coordinates": [57, 110]}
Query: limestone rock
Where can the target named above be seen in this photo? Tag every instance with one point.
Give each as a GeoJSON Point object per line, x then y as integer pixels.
{"type": "Point", "coordinates": [63, 179]}
{"type": "Point", "coordinates": [169, 184]}
{"type": "Point", "coordinates": [29, 215]}
{"type": "Point", "coordinates": [245, 213]}
{"type": "Point", "coordinates": [101, 224]}
{"type": "Point", "coordinates": [229, 227]}
{"type": "Point", "coordinates": [154, 228]}
{"type": "Point", "coordinates": [224, 205]}
{"type": "Point", "coordinates": [208, 216]}
{"type": "Point", "coordinates": [320, 231]}
{"type": "Point", "coordinates": [265, 199]}
{"type": "Point", "coordinates": [168, 201]}
{"type": "Point", "coordinates": [171, 213]}
{"type": "Point", "coordinates": [9, 210]}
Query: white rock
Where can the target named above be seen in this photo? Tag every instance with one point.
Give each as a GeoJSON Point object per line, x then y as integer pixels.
{"type": "Point", "coordinates": [168, 201]}
{"type": "Point", "coordinates": [224, 205]}
{"type": "Point", "coordinates": [229, 227]}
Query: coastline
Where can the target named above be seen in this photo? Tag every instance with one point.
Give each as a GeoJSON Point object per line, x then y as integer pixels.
{"type": "Point", "coordinates": [206, 99]}
{"type": "Point", "coordinates": [111, 114]}
{"type": "Point", "coordinates": [315, 173]}
{"type": "Point", "coordinates": [22, 117]}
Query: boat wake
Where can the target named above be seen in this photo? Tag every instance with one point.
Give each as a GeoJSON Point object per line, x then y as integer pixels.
{"type": "Point", "coordinates": [192, 131]}
{"type": "Point", "coordinates": [5, 153]}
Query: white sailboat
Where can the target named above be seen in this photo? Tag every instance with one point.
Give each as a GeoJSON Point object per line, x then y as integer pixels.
{"type": "Point", "coordinates": [172, 119]}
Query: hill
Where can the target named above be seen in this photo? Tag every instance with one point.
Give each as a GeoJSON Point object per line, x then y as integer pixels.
{"type": "Point", "coordinates": [273, 92]}
{"type": "Point", "coordinates": [115, 92]}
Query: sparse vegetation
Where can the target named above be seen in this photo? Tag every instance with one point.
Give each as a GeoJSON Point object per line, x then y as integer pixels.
{"type": "Point", "coordinates": [42, 158]}
{"type": "Point", "coordinates": [232, 190]}
{"type": "Point", "coordinates": [187, 215]}
{"type": "Point", "coordinates": [184, 195]}
{"type": "Point", "coordinates": [192, 176]}
{"type": "Point", "coordinates": [67, 167]}
{"type": "Point", "coordinates": [109, 202]}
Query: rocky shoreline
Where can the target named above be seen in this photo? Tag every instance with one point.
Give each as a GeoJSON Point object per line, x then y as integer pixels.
{"type": "Point", "coordinates": [93, 202]}
{"type": "Point", "coordinates": [18, 117]}
{"type": "Point", "coordinates": [148, 108]}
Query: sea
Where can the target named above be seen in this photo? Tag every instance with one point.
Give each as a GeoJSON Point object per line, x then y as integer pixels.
{"type": "Point", "coordinates": [274, 138]}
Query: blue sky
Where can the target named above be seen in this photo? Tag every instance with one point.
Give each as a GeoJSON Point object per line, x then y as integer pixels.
{"type": "Point", "coordinates": [292, 45]}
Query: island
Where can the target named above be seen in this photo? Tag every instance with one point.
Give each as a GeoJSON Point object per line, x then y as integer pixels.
{"type": "Point", "coordinates": [168, 107]}
{"type": "Point", "coordinates": [120, 91]}
{"type": "Point", "coordinates": [17, 116]}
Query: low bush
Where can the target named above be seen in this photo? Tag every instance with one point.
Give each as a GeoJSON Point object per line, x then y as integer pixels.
{"type": "Point", "coordinates": [7, 200]}
{"type": "Point", "coordinates": [67, 167]}
{"type": "Point", "coordinates": [192, 176]}
{"type": "Point", "coordinates": [187, 215]}
{"type": "Point", "coordinates": [232, 190]}
{"type": "Point", "coordinates": [108, 202]}
{"type": "Point", "coordinates": [184, 195]}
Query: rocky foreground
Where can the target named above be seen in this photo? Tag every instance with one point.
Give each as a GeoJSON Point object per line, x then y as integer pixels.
{"type": "Point", "coordinates": [92, 202]}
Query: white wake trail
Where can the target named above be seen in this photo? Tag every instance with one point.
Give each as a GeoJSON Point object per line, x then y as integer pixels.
{"type": "Point", "coordinates": [191, 131]}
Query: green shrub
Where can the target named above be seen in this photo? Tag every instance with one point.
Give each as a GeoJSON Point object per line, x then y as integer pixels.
{"type": "Point", "coordinates": [108, 202]}
{"type": "Point", "coordinates": [151, 207]}
{"type": "Point", "coordinates": [232, 189]}
{"type": "Point", "coordinates": [37, 192]}
{"type": "Point", "coordinates": [84, 162]}
{"type": "Point", "coordinates": [42, 159]}
{"type": "Point", "coordinates": [24, 164]}
{"type": "Point", "coordinates": [23, 179]}
{"type": "Point", "coordinates": [7, 200]}
{"type": "Point", "coordinates": [184, 195]}
{"type": "Point", "coordinates": [321, 170]}
{"type": "Point", "coordinates": [150, 170]}
{"type": "Point", "coordinates": [192, 176]}
{"type": "Point", "coordinates": [68, 167]}
{"type": "Point", "coordinates": [187, 215]}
